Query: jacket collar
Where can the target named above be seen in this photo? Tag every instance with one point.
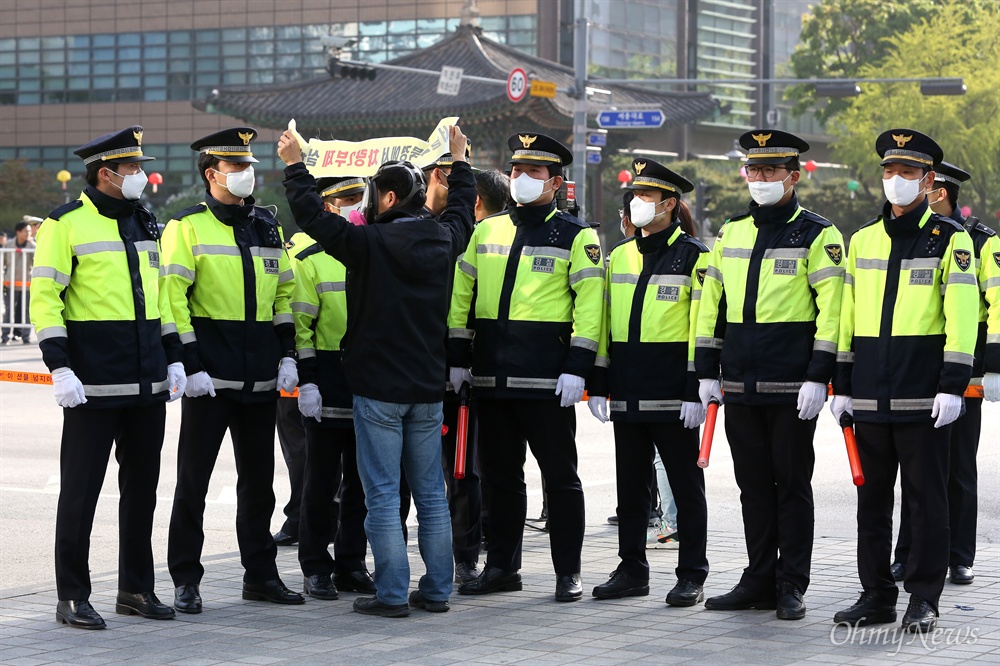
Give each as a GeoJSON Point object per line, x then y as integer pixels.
{"type": "Point", "coordinates": [775, 214]}
{"type": "Point", "coordinates": [110, 207]}
{"type": "Point", "coordinates": [661, 239]}
{"type": "Point", "coordinates": [233, 215]}
{"type": "Point", "coordinates": [530, 216]}
{"type": "Point", "coordinates": [907, 223]}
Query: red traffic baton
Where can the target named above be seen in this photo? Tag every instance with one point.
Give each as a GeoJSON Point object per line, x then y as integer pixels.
{"type": "Point", "coordinates": [709, 433]}
{"type": "Point", "coordinates": [462, 433]}
{"type": "Point", "coordinates": [847, 423]}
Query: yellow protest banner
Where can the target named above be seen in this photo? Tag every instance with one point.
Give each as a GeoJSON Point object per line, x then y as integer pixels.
{"type": "Point", "coordinates": [362, 158]}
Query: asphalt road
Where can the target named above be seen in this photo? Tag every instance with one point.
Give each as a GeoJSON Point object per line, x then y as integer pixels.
{"type": "Point", "coordinates": [30, 425]}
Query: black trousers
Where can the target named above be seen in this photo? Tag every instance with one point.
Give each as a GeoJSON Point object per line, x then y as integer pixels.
{"type": "Point", "coordinates": [465, 499]}
{"type": "Point", "coordinates": [505, 428]}
{"type": "Point", "coordinates": [920, 452]}
{"type": "Point", "coordinates": [678, 447]}
{"type": "Point", "coordinates": [83, 461]}
{"type": "Point", "coordinates": [962, 491]}
{"type": "Point", "coordinates": [773, 459]}
{"type": "Point", "coordinates": [204, 422]}
{"type": "Point", "coordinates": [292, 439]}
{"type": "Point", "coordinates": [332, 466]}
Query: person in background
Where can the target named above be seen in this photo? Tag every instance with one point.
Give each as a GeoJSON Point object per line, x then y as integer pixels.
{"type": "Point", "coordinates": [17, 283]}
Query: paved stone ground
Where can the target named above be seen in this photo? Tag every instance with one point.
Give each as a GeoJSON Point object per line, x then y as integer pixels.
{"type": "Point", "coordinates": [524, 627]}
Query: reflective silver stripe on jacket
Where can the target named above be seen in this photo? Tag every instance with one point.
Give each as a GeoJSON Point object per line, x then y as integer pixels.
{"type": "Point", "coordinates": [542, 250]}
{"type": "Point", "coordinates": [49, 272]}
{"type": "Point", "coordinates": [958, 357]}
{"type": "Point", "coordinates": [824, 345]}
{"type": "Point", "coordinates": [167, 329]}
{"type": "Point", "coordinates": [849, 279]}
{"type": "Point", "coordinates": [984, 285]}
{"type": "Point", "coordinates": [258, 251]}
{"type": "Point", "coordinates": [873, 264]}
{"type": "Point", "coordinates": [778, 387]}
{"type": "Point", "coordinates": [492, 248]}
{"type": "Point", "coordinates": [468, 269]}
{"type": "Point", "coordinates": [732, 387]}
{"type": "Point", "coordinates": [911, 404]}
{"type": "Point", "coordinates": [161, 386]}
{"type": "Point", "coordinates": [189, 337]}
{"type": "Point", "coordinates": [284, 318]}
{"type": "Point", "coordinates": [714, 272]}
{"type": "Point", "coordinates": [737, 252]}
{"type": "Point", "coordinates": [585, 273]}
{"type": "Point", "coordinates": [286, 276]}
{"type": "Point", "coordinates": [99, 246]}
{"type": "Point", "coordinates": [226, 384]}
{"type": "Point", "coordinates": [531, 383]}
{"type": "Point", "coordinates": [682, 280]}
{"type": "Point", "coordinates": [464, 333]}
{"type": "Point", "coordinates": [226, 250]}
{"type": "Point", "coordinates": [51, 332]}
{"type": "Point", "coordinates": [786, 253]}
{"type": "Point", "coordinates": [108, 390]}
{"type": "Point", "coordinates": [907, 264]}
{"type": "Point", "coordinates": [305, 308]}
{"type": "Point", "coordinates": [659, 405]}
{"type": "Point", "coordinates": [865, 405]}
{"type": "Point", "coordinates": [617, 405]}
{"type": "Point", "coordinates": [845, 357]}
{"type": "Point", "coordinates": [260, 387]}
{"type": "Point", "coordinates": [696, 295]}
{"type": "Point", "coordinates": [826, 273]}
{"type": "Point", "coordinates": [583, 343]}
{"type": "Point", "coordinates": [602, 362]}
{"type": "Point", "coordinates": [709, 343]}
{"type": "Point", "coordinates": [146, 246]}
{"type": "Point", "coordinates": [306, 352]}
{"type": "Point", "coordinates": [324, 287]}
{"type": "Point", "coordinates": [624, 278]}
{"type": "Point", "coordinates": [961, 278]}
{"type": "Point", "coordinates": [177, 269]}
{"type": "Point", "coordinates": [337, 413]}
{"type": "Point", "coordinates": [690, 366]}
{"type": "Point", "coordinates": [484, 382]}
{"type": "Point", "coordinates": [993, 339]}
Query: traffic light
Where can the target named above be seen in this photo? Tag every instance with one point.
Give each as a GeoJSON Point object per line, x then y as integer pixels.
{"type": "Point", "coordinates": [703, 205]}
{"type": "Point", "coordinates": [350, 69]}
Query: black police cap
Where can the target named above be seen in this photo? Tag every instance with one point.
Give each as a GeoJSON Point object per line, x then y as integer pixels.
{"type": "Point", "coordinates": [533, 148]}
{"type": "Point", "coordinates": [949, 173]}
{"type": "Point", "coordinates": [771, 146]}
{"type": "Point", "coordinates": [122, 146]}
{"type": "Point", "coordinates": [340, 186]}
{"type": "Point", "coordinates": [907, 146]}
{"type": "Point", "coordinates": [650, 175]}
{"type": "Point", "coordinates": [229, 145]}
{"type": "Point", "coordinates": [446, 160]}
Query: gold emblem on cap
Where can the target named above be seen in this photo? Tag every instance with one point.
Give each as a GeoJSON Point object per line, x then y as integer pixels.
{"type": "Point", "coordinates": [138, 137]}
{"type": "Point", "coordinates": [761, 139]}
{"type": "Point", "coordinates": [639, 166]}
{"type": "Point", "coordinates": [526, 140]}
{"type": "Point", "coordinates": [901, 140]}
{"type": "Point", "coordinates": [246, 137]}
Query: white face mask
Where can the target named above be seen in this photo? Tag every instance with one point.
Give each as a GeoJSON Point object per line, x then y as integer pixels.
{"type": "Point", "coordinates": [132, 185]}
{"type": "Point", "coordinates": [901, 191]}
{"type": "Point", "coordinates": [239, 183]}
{"type": "Point", "coordinates": [767, 194]}
{"type": "Point", "coordinates": [524, 189]}
{"type": "Point", "coordinates": [345, 211]}
{"type": "Point", "coordinates": [642, 212]}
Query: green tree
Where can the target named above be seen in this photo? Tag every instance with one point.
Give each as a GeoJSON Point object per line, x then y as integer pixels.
{"type": "Point", "coordinates": [26, 191]}
{"type": "Point", "coordinates": [840, 37]}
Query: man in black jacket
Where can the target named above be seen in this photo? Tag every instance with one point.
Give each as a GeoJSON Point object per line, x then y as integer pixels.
{"type": "Point", "coordinates": [400, 266]}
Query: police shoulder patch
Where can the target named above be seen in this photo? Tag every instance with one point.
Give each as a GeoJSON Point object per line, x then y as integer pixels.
{"type": "Point", "coordinates": [996, 258]}
{"type": "Point", "coordinates": [593, 253]}
{"type": "Point", "coordinates": [963, 258]}
{"type": "Point", "coordinates": [701, 272]}
{"type": "Point", "coordinates": [835, 252]}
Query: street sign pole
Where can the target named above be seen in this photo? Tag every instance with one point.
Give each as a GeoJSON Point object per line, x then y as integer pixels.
{"type": "Point", "coordinates": [580, 50]}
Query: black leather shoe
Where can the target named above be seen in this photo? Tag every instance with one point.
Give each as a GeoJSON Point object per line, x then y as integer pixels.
{"type": "Point", "coordinates": [920, 616]}
{"type": "Point", "coordinates": [790, 604]}
{"type": "Point", "coordinates": [871, 608]}
{"type": "Point", "coordinates": [685, 593]}
{"type": "Point", "coordinates": [466, 572]}
{"type": "Point", "coordinates": [319, 586]}
{"type": "Point", "coordinates": [417, 601]}
{"type": "Point", "coordinates": [898, 570]}
{"type": "Point", "coordinates": [79, 614]}
{"type": "Point", "coordinates": [187, 599]}
{"type": "Point", "coordinates": [740, 598]}
{"type": "Point", "coordinates": [355, 581]}
{"type": "Point", "coordinates": [569, 588]}
{"type": "Point", "coordinates": [283, 539]}
{"type": "Point", "coordinates": [961, 575]}
{"type": "Point", "coordinates": [274, 591]}
{"type": "Point", "coordinates": [372, 606]}
{"type": "Point", "coordinates": [143, 603]}
{"type": "Point", "coordinates": [613, 520]}
{"type": "Point", "coordinates": [492, 580]}
{"type": "Point", "coordinates": [622, 584]}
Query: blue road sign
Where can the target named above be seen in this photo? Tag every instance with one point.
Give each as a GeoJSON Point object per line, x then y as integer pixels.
{"type": "Point", "coordinates": [597, 139]}
{"type": "Point", "coordinates": [649, 118]}
{"type": "Point", "coordinates": [593, 157]}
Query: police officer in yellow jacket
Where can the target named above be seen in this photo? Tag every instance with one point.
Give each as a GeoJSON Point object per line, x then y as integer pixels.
{"type": "Point", "coordinates": [962, 476]}
{"type": "Point", "coordinates": [538, 278]}
{"type": "Point", "coordinates": [108, 338]}
{"type": "Point", "coordinates": [319, 305]}
{"type": "Point", "coordinates": [906, 350]}
{"type": "Point", "coordinates": [229, 283]}
{"type": "Point", "coordinates": [769, 315]}
{"type": "Point", "coordinates": [645, 361]}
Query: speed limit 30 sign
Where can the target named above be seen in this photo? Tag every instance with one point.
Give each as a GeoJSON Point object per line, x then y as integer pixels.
{"type": "Point", "coordinates": [517, 84]}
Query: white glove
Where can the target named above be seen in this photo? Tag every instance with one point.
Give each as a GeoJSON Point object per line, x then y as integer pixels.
{"type": "Point", "coordinates": [841, 404]}
{"type": "Point", "coordinates": [310, 402]}
{"type": "Point", "coordinates": [199, 384]}
{"type": "Point", "coordinates": [708, 389]}
{"type": "Point", "coordinates": [459, 376]}
{"type": "Point", "coordinates": [812, 395]}
{"type": "Point", "coordinates": [68, 389]}
{"type": "Point", "coordinates": [693, 414]}
{"type": "Point", "coordinates": [947, 408]}
{"type": "Point", "coordinates": [598, 407]}
{"type": "Point", "coordinates": [178, 380]}
{"type": "Point", "coordinates": [288, 374]}
{"type": "Point", "coordinates": [570, 387]}
{"type": "Point", "coordinates": [991, 386]}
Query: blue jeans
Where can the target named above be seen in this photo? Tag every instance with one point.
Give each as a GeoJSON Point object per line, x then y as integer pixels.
{"type": "Point", "coordinates": [390, 434]}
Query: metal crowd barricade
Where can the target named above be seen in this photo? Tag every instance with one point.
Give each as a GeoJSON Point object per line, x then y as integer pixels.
{"type": "Point", "coordinates": [16, 283]}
